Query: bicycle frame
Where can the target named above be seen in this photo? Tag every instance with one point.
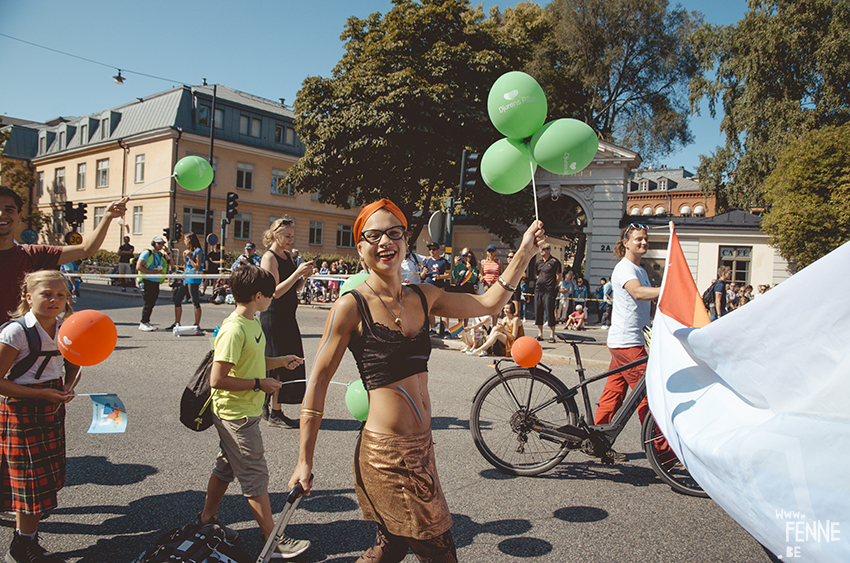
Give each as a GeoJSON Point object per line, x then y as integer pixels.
{"type": "Point", "coordinates": [576, 434]}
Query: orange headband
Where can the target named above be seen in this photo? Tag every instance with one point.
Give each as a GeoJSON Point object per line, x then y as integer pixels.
{"type": "Point", "coordinates": [370, 210]}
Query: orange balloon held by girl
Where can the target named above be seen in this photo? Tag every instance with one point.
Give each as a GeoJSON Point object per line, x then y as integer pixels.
{"type": "Point", "coordinates": [526, 351]}
{"type": "Point", "coordinates": [87, 338]}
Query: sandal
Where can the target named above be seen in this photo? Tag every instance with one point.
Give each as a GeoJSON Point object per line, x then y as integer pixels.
{"type": "Point", "coordinates": [551, 341]}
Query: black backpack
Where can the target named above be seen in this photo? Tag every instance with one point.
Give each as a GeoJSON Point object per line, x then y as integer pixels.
{"type": "Point", "coordinates": [195, 411]}
{"type": "Point", "coordinates": [194, 543]}
{"type": "Point", "coordinates": [708, 296]}
{"type": "Point", "coordinates": [34, 345]}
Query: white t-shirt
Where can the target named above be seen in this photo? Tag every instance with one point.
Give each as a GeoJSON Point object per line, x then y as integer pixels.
{"type": "Point", "coordinates": [411, 267]}
{"type": "Point", "coordinates": [628, 315]}
{"type": "Point", "coordinates": [14, 336]}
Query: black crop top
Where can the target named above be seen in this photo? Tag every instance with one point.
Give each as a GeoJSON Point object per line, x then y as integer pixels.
{"type": "Point", "coordinates": [384, 355]}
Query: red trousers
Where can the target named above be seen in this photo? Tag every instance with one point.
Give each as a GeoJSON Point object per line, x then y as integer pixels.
{"type": "Point", "coordinates": [618, 384]}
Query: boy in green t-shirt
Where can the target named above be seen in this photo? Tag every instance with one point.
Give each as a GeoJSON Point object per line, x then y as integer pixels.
{"type": "Point", "coordinates": [237, 377]}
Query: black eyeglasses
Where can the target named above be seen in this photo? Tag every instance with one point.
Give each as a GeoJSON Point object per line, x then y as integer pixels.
{"type": "Point", "coordinates": [373, 236]}
{"type": "Point", "coordinates": [636, 226]}
{"type": "Point", "coordinates": [510, 255]}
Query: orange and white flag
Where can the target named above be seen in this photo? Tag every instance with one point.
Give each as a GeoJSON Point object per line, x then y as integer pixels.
{"type": "Point", "coordinates": [755, 404]}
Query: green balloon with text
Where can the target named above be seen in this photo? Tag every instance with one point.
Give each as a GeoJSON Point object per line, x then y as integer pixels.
{"type": "Point", "coordinates": [564, 146]}
{"type": "Point", "coordinates": [194, 173]}
{"type": "Point", "coordinates": [516, 105]}
{"type": "Point", "coordinates": [507, 166]}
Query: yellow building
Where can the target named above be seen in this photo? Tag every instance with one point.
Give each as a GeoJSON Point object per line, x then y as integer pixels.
{"type": "Point", "coordinates": [102, 157]}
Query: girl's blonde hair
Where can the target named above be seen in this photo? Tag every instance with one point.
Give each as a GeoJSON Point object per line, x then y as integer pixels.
{"type": "Point", "coordinates": [268, 236]}
{"type": "Point", "coordinates": [31, 281]}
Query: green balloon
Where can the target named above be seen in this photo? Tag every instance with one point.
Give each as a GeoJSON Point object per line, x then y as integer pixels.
{"type": "Point", "coordinates": [564, 146]}
{"type": "Point", "coordinates": [505, 166]}
{"type": "Point", "coordinates": [516, 105]}
{"type": "Point", "coordinates": [193, 173]}
{"type": "Point", "coordinates": [352, 282]}
{"type": "Point", "coordinates": [357, 400]}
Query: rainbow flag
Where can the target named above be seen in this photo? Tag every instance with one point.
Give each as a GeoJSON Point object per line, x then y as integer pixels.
{"type": "Point", "coordinates": [455, 330]}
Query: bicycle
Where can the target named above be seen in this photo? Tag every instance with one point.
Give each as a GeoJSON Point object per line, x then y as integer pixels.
{"type": "Point", "coordinates": [525, 421]}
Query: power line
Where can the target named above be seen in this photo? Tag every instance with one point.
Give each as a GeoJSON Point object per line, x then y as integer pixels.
{"type": "Point", "coordinates": [92, 61]}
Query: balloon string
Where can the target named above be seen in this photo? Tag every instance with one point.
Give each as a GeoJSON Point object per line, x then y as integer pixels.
{"type": "Point", "coordinates": [305, 381]}
{"type": "Point", "coordinates": [149, 183]}
{"type": "Point", "coordinates": [533, 183]}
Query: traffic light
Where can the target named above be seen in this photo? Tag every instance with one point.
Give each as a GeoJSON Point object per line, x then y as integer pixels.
{"type": "Point", "coordinates": [232, 204]}
{"type": "Point", "coordinates": [469, 170]}
{"type": "Point", "coordinates": [81, 212]}
{"type": "Point", "coordinates": [178, 231]}
{"type": "Point", "coordinates": [70, 213]}
{"type": "Point", "coordinates": [166, 232]}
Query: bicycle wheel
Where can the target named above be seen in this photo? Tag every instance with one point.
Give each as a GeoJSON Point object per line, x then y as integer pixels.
{"type": "Point", "coordinates": [505, 412]}
{"type": "Point", "coordinates": [665, 463]}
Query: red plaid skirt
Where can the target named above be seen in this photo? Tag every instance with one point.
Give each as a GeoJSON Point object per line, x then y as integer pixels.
{"type": "Point", "coordinates": [32, 452]}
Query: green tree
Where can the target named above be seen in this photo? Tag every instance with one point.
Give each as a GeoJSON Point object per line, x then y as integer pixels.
{"type": "Point", "coordinates": [809, 195]}
{"type": "Point", "coordinates": [407, 97]}
{"type": "Point", "coordinates": [779, 72]}
{"type": "Point", "coordinates": [17, 175]}
{"type": "Point", "coordinates": [621, 66]}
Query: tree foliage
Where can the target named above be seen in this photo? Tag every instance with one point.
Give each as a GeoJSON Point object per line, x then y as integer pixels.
{"type": "Point", "coordinates": [623, 67]}
{"type": "Point", "coordinates": [411, 89]}
{"type": "Point", "coordinates": [19, 177]}
{"type": "Point", "coordinates": [781, 71]}
{"type": "Point", "coordinates": [407, 97]}
{"type": "Point", "coordinates": [809, 194]}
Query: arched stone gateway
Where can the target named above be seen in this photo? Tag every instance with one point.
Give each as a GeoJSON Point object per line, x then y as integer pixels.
{"type": "Point", "coordinates": [582, 211]}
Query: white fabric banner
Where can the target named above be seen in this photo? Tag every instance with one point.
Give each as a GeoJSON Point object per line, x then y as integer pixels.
{"type": "Point", "coordinates": [757, 407]}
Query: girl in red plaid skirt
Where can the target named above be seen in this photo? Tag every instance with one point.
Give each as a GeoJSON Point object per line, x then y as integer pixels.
{"type": "Point", "coordinates": [32, 414]}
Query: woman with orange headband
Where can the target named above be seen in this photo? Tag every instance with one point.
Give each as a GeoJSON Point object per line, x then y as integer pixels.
{"type": "Point", "coordinates": [385, 325]}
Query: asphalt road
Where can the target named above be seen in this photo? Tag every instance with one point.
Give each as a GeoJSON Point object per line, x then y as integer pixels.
{"type": "Point", "coordinates": [124, 490]}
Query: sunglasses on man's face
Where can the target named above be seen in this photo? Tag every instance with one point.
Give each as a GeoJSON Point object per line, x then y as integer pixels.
{"type": "Point", "coordinates": [373, 236]}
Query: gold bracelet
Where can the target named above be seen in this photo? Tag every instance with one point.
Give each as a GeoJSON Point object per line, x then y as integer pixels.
{"type": "Point", "coordinates": [311, 412]}
{"type": "Point", "coordinates": [506, 285]}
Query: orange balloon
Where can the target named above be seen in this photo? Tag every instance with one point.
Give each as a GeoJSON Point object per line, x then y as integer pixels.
{"type": "Point", "coordinates": [87, 337]}
{"type": "Point", "coordinates": [526, 351]}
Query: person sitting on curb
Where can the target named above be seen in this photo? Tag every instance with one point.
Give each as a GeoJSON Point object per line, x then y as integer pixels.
{"type": "Point", "coordinates": [506, 331]}
{"type": "Point", "coordinates": [576, 319]}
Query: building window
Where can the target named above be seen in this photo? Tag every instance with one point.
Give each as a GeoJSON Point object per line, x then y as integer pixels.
{"type": "Point", "coordinates": [279, 184]}
{"type": "Point", "coordinates": [193, 220]}
{"type": "Point", "coordinates": [316, 232]}
{"type": "Point", "coordinates": [204, 114]}
{"type": "Point", "coordinates": [699, 211]}
{"type": "Point", "coordinates": [61, 140]}
{"type": "Point", "coordinates": [242, 226]}
{"type": "Point", "coordinates": [40, 184]}
{"type": "Point", "coordinates": [102, 173]}
{"type": "Point", "coordinates": [104, 129]}
{"type": "Point", "coordinates": [244, 176]}
{"type": "Point", "coordinates": [738, 258]}
{"type": "Point", "coordinates": [219, 118]}
{"type": "Point", "coordinates": [98, 215]}
{"type": "Point", "coordinates": [84, 134]}
{"type": "Point", "coordinates": [314, 196]}
{"type": "Point", "coordinates": [345, 236]}
{"type": "Point", "coordinates": [58, 222]}
{"type": "Point", "coordinates": [660, 210]}
{"type": "Point", "coordinates": [140, 168]}
{"type": "Point", "coordinates": [647, 210]}
{"type": "Point", "coordinates": [635, 211]}
{"type": "Point", "coordinates": [81, 176]}
{"type": "Point", "coordinates": [42, 144]}
{"type": "Point", "coordinates": [249, 126]}
{"type": "Point", "coordinates": [284, 134]}
{"type": "Point", "coordinates": [137, 219]}
{"type": "Point", "coordinates": [279, 132]}
{"type": "Point", "coordinates": [59, 181]}
{"type": "Point", "coordinates": [685, 211]}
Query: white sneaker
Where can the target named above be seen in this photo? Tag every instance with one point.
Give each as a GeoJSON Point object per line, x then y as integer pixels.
{"type": "Point", "coordinates": [483, 353]}
{"type": "Point", "coordinates": [470, 351]}
{"type": "Point", "coordinates": [289, 548]}
{"type": "Point", "coordinates": [604, 327]}
{"type": "Point", "coordinates": [146, 327]}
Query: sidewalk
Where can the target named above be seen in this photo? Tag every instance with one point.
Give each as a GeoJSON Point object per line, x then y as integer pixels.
{"type": "Point", "coordinates": [593, 354]}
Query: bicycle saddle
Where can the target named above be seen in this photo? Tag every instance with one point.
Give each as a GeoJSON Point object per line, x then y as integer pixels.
{"type": "Point", "coordinates": [575, 338]}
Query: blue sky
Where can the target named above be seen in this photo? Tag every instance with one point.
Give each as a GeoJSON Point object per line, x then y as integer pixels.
{"type": "Point", "coordinates": [264, 47]}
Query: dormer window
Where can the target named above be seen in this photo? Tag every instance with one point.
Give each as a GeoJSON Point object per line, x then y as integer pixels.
{"type": "Point", "coordinates": [662, 184]}
{"type": "Point", "coordinates": [644, 185]}
{"type": "Point", "coordinates": [104, 129]}
{"type": "Point", "coordinates": [84, 133]}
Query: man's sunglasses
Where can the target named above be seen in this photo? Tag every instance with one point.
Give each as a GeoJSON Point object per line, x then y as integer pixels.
{"type": "Point", "coordinates": [373, 236]}
{"type": "Point", "coordinates": [635, 226]}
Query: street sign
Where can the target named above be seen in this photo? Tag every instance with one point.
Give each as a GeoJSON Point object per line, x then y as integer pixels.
{"type": "Point", "coordinates": [74, 238]}
{"type": "Point", "coordinates": [29, 236]}
{"type": "Point", "coordinates": [437, 226]}
{"type": "Point", "coordinates": [212, 239]}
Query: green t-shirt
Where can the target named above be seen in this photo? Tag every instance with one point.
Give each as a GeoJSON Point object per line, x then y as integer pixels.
{"type": "Point", "coordinates": [240, 342]}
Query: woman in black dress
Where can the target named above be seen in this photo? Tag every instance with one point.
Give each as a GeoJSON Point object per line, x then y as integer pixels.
{"type": "Point", "coordinates": [279, 324]}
